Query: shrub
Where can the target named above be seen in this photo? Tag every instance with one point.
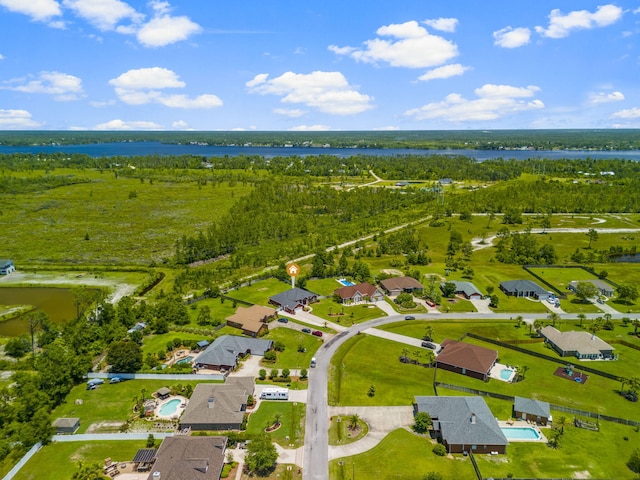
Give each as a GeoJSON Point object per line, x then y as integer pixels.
{"type": "Point", "coordinates": [439, 450]}
{"type": "Point", "coordinates": [634, 461]}
{"type": "Point", "coordinates": [262, 374]}
{"type": "Point", "coordinates": [270, 356]}
{"type": "Point", "coordinates": [279, 347]}
{"type": "Point", "coordinates": [303, 373]}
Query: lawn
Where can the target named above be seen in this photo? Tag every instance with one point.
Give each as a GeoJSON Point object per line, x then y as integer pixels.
{"type": "Point", "coordinates": [259, 292]}
{"type": "Point", "coordinates": [401, 455]}
{"type": "Point", "coordinates": [60, 460]}
{"type": "Point", "coordinates": [220, 309]}
{"type": "Point", "coordinates": [340, 432]}
{"type": "Point", "coordinates": [323, 286]}
{"type": "Point", "coordinates": [292, 417]}
{"type": "Point", "coordinates": [110, 402]}
{"type": "Point", "coordinates": [291, 358]}
{"type": "Point", "coordinates": [364, 361]}
{"type": "Point", "coordinates": [456, 305]}
{"type": "Point", "coordinates": [345, 314]}
{"type": "Point", "coordinates": [158, 343]}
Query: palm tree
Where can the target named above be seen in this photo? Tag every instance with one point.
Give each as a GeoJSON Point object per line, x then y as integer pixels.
{"type": "Point", "coordinates": [582, 317]}
{"type": "Point", "coordinates": [521, 372]}
{"type": "Point", "coordinates": [353, 421]}
{"type": "Point", "coordinates": [554, 438]}
{"type": "Point", "coordinates": [537, 325]}
{"type": "Point", "coordinates": [519, 320]}
{"type": "Point", "coordinates": [553, 318]}
{"type": "Point", "coordinates": [428, 332]}
{"type": "Point", "coordinates": [561, 421]}
{"type": "Point", "coordinates": [405, 353]}
{"type": "Point", "coordinates": [417, 354]}
{"type": "Point", "coordinates": [276, 419]}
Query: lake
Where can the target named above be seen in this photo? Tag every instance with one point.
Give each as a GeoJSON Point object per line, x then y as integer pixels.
{"type": "Point", "coordinates": [57, 303]}
{"type": "Point", "coordinates": [130, 149]}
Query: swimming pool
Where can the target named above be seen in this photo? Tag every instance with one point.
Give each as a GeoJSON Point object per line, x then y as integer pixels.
{"type": "Point", "coordinates": [186, 359]}
{"type": "Point", "coordinates": [521, 433]}
{"type": "Point", "coordinates": [345, 282]}
{"type": "Point", "coordinates": [506, 374]}
{"type": "Point", "coordinates": [170, 407]}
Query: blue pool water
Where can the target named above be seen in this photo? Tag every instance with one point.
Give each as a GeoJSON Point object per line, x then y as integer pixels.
{"type": "Point", "coordinates": [520, 433]}
{"type": "Point", "coordinates": [345, 282]}
{"type": "Point", "coordinates": [170, 407]}
{"type": "Point", "coordinates": [505, 374]}
{"type": "Point", "coordinates": [185, 359]}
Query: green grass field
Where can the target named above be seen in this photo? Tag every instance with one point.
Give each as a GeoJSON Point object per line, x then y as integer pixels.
{"type": "Point", "coordinates": [291, 358]}
{"type": "Point", "coordinates": [50, 226]}
{"type": "Point", "coordinates": [345, 314]}
{"type": "Point", "coordinates": [292, 416]}
{"type": "Point", "coordinates": [110, 403]}
{"type": "Point", "coordinates": [60, 460]}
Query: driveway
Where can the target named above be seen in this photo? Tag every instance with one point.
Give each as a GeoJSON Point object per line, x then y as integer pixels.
{"type": "Point", "coordinates": [381, 421]}
{"type": "Point", "coordinates": [482, 306]}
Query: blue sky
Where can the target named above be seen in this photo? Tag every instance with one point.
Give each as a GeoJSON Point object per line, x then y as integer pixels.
{"type": "Point", "coordinates": [318, 64]}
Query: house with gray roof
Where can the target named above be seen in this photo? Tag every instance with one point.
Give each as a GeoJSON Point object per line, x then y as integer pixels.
{"type": "Point", "coordinates": [604, 288]}
{"type": "Point", "coordinates": [463, 424]}
{"type": "Point", "coordinates": [531, 410]}
{"type": "Point", "coordinates": [468, 289]}
{"type": "Point", "coordinates": [184, 457]}
{"type": "Point", "coordinates": [293, 299]}
{"type": "Point", "coordinates": [218, 406]}
{"type": "Point", "coordinates": [524, 288]}
{"type": "Point", "coordinates": [582, 345]}
{"type": "Point", "coordinates": [224, 352]}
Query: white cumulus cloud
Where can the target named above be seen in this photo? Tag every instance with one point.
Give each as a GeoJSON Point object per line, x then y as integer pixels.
{"type": "Point", "coordinates": [62, 86]}
{"type": "Point", "coordinates": [443, 24]}
{"type": "Point", "coordinates": [605, 97]}
{"type": "Point", "coordinates": [509, 37]}
{"type": "Point", "coordinates": [328, 92]}
{"type": "Point", "coordinates": [493, 102]}
{"type": "Point", "coordinates": [165, 30]}
{"type": "Point", "coordinates": [16, 119]}
{"type": "Point", "coordinates": [561, 25]}
{"type": "Point", "coordinates": [103, 14]}
{"type": "Point", "coordinates": [310, 128]}
{"type": "Point", "coordinates": [627, 113]}
{"type": "Point", "coordinates": [38, 10]}
{"type": "Point", "coordinates": [410, 46]}
{"type": "Point", "coordinates": [122, 125]}
{"type": "Point", "coordinates": [289, 112]}
{"type": "Point", "coordinates": [446, 71]}
{"type": "Point", "coordinates": [146, 85]}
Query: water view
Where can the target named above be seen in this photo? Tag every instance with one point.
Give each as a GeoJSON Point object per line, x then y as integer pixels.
{"type": "Point", "coordinates": [129, 149]}
{"type": "Point", "coordinates": [57, 303]}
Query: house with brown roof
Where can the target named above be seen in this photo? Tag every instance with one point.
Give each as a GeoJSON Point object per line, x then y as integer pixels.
{"type": "Point", "coordinates": [218, 406]}
{"type": "Point", "coordinates": [251, 320]}
{"type": "Point", "coordinates": [363, 292]}
{"type": "Point", "coordinates": [466, 359]}
{"type": "Point", "coordinates": [398, 285]}
{"type": "Point", "coordinates": [582, 345]}
{"type": "Point", "coordinates": [184, 457]}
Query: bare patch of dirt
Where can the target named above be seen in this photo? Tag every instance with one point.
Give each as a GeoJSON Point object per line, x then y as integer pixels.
{"type": "Point", "coordinates": [392, 271]}
{"type": "Point", "coordinates": [105, 427]}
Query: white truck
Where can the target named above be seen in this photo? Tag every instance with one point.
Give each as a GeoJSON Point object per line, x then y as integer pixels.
{"type": "Point", "coordinates": [272, 393]}
{"type": "Point", "coordinates": [313, 362]}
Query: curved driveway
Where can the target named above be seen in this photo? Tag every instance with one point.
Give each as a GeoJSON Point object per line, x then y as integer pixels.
{"type": "Point", "coordinates": [316, 440]}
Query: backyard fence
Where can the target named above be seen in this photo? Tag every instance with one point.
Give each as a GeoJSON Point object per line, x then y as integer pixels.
{"type": "Point", "coordinates": [475, 465]}
{"type": "Point", "coordinates": [561, 360]}
{"type": "Point", "coordinates": [559, 408]}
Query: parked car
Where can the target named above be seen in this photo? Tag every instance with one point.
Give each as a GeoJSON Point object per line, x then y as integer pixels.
{"type": "Point", "coordinates": [409, 317]}
{"type": "Point", "coordinates": [430, 303]}
{"type": "Point", "coordinates": [91, 386]}
{"type": "Point", "coordinates": [306, 330]}
{"type": "Point", "coordinates": [283, 320]}
{"type": "Point", "coordinates": [95, 381]}
{"type": "Point", "coordinates": [114, 380]}
{"type": "Point", "coordinates": [429, 345]}
{"type": "Point", "coordinates": [317, 333]}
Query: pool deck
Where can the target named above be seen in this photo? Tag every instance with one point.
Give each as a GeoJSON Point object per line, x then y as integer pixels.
{"type": "Point", "coordinates": [497, 368]}
{"type": "Point", "coordinates": [174, 415]}
{"type": "Point", "coordinates": [523, 424]}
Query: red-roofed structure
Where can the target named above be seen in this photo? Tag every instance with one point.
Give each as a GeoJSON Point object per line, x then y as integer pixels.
{"type": "Point", "coordinates": [362, 292]}
{"type": "Point", "coordinates": [466, 359]}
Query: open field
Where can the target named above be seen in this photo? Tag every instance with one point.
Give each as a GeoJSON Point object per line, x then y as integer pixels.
{"type": "Point", "coordinates": [292, 339]}
{"type": "Point", "coordinates": [345, 314]}
{"type": "Point", "coordinates": [127, 221]}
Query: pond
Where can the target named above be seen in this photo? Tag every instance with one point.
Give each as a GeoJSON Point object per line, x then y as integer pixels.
{"type": "Point", "coordinates": [57, 303]}
{"type": "Point", "coordinates": [626, 258]}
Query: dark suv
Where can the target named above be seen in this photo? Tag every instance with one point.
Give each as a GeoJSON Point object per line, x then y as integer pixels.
{"type": "Point", "coordinates": [429, 345]}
